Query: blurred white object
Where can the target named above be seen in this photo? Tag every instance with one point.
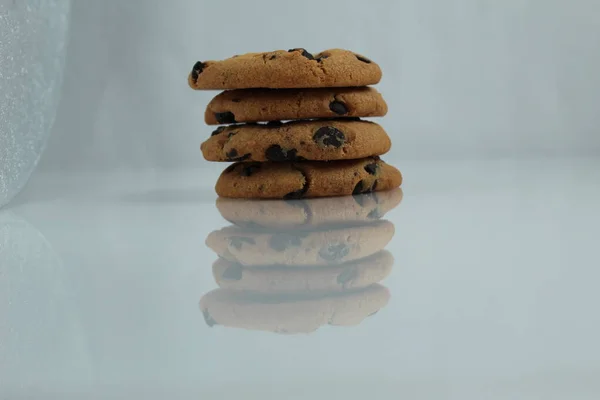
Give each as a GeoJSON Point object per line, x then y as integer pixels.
{"type": "Point", "coordinates": [33, 37]}
{"type": "Point", "coordinates": [29, 267]}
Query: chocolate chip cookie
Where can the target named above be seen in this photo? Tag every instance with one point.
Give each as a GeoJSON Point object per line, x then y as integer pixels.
{"type": "Point", "coordinates": [285, 279]}
{"type": "Point", "coordinates": [308, 213]}
{"type": "Point", "coordinates": [257, 105]}
{"type": "Point", "coordinates": [296, 68]}
{"type": "Point", "coordinates": [291, 314]}
{"type": "Point", "coordinates": [296, 180]}
{"type": "Point", "coordinates": [297, 141]}
{"type": "Point", "coordinates": [300, 248]}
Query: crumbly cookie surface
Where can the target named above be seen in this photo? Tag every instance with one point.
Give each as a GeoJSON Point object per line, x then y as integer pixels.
{"type": "Point", "coordinates": [296, 68]}
{"type": "Point", "coordinates": [256, 105]}
{"type": "Point", "coordinates": [297, 141]}
{"type": "Point", "coordinates": [296, 180]}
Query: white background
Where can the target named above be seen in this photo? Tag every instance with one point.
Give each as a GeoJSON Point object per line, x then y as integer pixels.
{"type": "Point", "coordinates": [463, 78]}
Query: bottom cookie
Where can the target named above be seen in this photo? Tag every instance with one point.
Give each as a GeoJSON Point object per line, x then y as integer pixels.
{"type": "Point", "coordinates": [295, 180]}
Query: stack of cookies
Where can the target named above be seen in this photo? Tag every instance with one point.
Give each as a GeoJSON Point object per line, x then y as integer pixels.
{"type": "Point", "coordinates": [291, 122]}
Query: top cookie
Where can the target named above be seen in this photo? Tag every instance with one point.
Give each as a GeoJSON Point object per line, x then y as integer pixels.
{"type": "Point", "coordinates": [282, 69]}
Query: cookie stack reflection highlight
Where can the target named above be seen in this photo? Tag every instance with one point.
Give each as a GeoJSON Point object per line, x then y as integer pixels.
{"type": "Point", "coordinates": [291, 123]}
{"type": "Point", "coordinates": [292, 267]}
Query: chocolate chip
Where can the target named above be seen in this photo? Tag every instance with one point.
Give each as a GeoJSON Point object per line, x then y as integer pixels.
{"type": "Point", "coordinates": [338, 107]}
{"type": "Point", "coordinates": [282, 241]}
{"type": "Point", "coordinates": [298, 194]}
{"type": "Point", "coordinates": [197, 70]}
{"type": "Point", "coordinates": [233, 273]}
{"type": "Point", "coordinates": [322, 57]}
{"type": "Point", "coordinates": [276, 153]}
{"type": "Point", "coordinates": [329, 136]}
{"type": "Point", "coordinates": [231, 168]}
{"type": "Point", "coordinates": [363, 59]}
{"type": "Point", "coordinates": [274, 123]}
{"type": "Point", "coordinates": [238, 241]}
{"type": "Point", "coordinates": [225, 117]}
{"type": "Point", "coordinates": [274, 56]}
{"type": "Point", "coordinates": [208, 319]}
{"type": "Point", "coordinates": [232, 155]}
{"type": "Point", "coordinates": [359, 188]}
{"type": "Point", "coordinates": [334, 252]}
{"type": "Point", "coordinates": [249, 169]}
{"type": "Point", "coordinates": [372, 168]}
{"type": "Point", "coordinates": [304, 53]}
{"type": "Point", "coordinates": [241, 158]}
{"type": "Point", "coordinates": [362, 186]}
{"type": "Point", "coordinates": [217, 131]}
{"type": "Point", "coordinates": [348, 275]}
{"type": "Point", "coordinates": [374, 187]}
{"type": "Point", "coordinates": [236, 100]}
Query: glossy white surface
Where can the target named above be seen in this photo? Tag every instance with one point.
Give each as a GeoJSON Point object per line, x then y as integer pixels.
{"type": "Point", "coordinates": [494, 293]}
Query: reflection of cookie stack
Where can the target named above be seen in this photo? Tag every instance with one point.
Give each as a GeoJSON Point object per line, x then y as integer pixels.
{"type": "Point", "coordinates": [292, 267]}
{"type": "Point", "coordinates": [323, 150]}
